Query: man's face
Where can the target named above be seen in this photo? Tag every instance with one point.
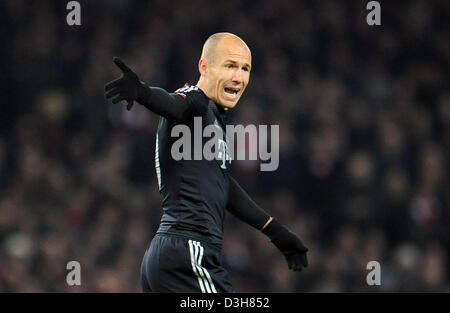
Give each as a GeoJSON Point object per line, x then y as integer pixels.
{"type": "Point", "coordinates": [229, 74]}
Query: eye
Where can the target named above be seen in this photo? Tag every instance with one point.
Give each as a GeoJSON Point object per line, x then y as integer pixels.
{"type": "Point", "coordinates": [245, 69]}
{"type": "Point", "coordinates": [229, 66]}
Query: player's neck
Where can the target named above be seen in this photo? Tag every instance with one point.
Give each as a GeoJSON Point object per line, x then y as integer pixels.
{"type": "Point", "coordinates": [201, 84]}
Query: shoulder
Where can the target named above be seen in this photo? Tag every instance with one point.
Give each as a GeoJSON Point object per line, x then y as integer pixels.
{"type": "Point", "coordinates": [194, 97]}
{"type": "Point", "coordinates": [187, 90]}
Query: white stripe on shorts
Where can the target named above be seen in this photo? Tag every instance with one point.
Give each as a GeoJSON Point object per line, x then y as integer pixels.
{"type": "Point", "coordinates": [194, 266]}
{"type": "Point", "coordinates": [213, 288]}
{"type": "Point", "coordinates": [196, 253]}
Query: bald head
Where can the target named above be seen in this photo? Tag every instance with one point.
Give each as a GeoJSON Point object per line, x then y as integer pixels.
{"type": "Point", "coordinates": [211, 44]}
{"type": "Point", "coordinates": [224, 68]}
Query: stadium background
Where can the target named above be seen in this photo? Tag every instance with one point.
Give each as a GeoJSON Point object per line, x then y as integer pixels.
{"type": "Point", "coordinates": [364, 115]}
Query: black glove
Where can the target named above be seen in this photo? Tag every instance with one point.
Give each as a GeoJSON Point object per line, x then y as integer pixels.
{"type": "Point", "coordinates": [289, 244]}
{"type": "Point", "coordinates": [128, 87]}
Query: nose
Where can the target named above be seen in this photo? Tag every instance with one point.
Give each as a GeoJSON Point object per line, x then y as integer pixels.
{"type": "Point", "coordinates": [237, 76]}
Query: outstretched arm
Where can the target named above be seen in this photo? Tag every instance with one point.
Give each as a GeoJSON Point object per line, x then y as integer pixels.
{"type": "Point", "coordinates": [242, 206]}
{"type": "Point", "coordinates": [129, 87]}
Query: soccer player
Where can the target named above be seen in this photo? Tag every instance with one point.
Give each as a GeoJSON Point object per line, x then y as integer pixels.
{"type": "Point", "coordinates": [185, 254]}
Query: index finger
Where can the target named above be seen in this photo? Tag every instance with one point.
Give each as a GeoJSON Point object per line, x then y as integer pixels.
{"type": "Point", "coordinates": [121, 65]}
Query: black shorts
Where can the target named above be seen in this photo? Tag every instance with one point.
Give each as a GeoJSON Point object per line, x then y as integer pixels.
{"type": "Point", "coordinates": [174, 263]}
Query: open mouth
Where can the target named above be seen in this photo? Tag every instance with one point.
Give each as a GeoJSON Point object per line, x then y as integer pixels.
{"type": "Point", "coordinates": [232, 90]}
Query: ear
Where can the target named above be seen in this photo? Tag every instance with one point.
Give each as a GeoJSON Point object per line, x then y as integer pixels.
{"type": "Point", "coordinates": [202, 67]}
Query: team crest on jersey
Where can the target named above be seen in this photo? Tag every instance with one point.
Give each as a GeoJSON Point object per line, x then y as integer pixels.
{"type": "Point", "coordinates": [185, 89]}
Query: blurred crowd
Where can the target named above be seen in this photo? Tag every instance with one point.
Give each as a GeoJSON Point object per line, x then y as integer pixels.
{"type": "Point", "coordinates": [364, 115]}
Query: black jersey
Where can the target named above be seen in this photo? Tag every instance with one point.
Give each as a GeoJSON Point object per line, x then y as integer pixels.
{"type": "Point", "coordinates": [194, 192]}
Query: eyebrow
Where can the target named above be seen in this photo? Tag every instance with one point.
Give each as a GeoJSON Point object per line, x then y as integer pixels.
{"type": "Point", "coordinates": [234, 62]}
